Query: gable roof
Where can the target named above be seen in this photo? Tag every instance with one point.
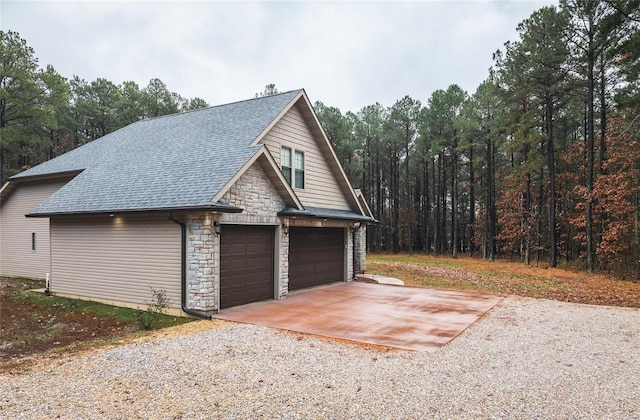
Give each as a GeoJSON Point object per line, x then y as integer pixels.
{"type": "Point", "coordinates": [179, 161]}
{"type": "Point", "coordinates": [182, 162]}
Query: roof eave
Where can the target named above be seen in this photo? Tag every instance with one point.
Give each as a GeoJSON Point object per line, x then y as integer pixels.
{"type": "Point", "coordinates": [214, 208]}
{"type": "Point", "coordinates": [47, 176]}
{"type": "Point", "coordinates": [293, 213]}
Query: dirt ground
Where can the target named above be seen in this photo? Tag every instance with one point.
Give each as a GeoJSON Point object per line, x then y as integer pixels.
{"type": "Point", "coordinates": [28, 328]}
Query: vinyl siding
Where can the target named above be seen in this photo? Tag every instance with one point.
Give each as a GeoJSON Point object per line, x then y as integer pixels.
{"type": "Point", "coordinates": [116, 258]}
{"type": "Point", "coordinates": [321, 188]}
{"type": "Point", "coordinates": [16, 256]}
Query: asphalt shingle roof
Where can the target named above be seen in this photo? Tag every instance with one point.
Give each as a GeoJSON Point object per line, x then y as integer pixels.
{"type": "Point", "coordinates": [324, 213]}
{"type": "Point", "coordinates": [176, 161]}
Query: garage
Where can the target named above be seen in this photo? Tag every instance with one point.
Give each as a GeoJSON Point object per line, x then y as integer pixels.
{"type": "Point", "coordinates": [246, 264]}
{"type": "Point", "coordinates": [316, 256]}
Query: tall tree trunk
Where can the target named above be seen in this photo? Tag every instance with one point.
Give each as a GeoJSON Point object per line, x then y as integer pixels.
{"type": "Point", "coordinates": [540, 207]}
{"type": "Point", "coordinates": [379, 204]}
{"type": "Point", "coordinates": [590, 156]}
{"type": "Point", "coordinates": [553, 246]}
{"type": "Point", "coordinates": [527, 220]}
{"type": "Point", "coordinates": [395, 193]}
{"type": "Point", "coordinates": [490, 202]}
{"type": "Point", "coordinates": [602, 149]}
{"type": "Point", "coordinates": [454, 204]}
{"type": "Point", "coordinates": [427, 209]}
{"type": "Point", "coordinates": [472, 201]}
{"type": "Point", "coordinates": [436, 220]}
{"type": "Point", "coordinates": [408, 186]}
{"type": "Point", "coordinates": [443, 206]}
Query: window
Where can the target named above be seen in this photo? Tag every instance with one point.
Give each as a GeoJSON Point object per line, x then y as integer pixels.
{"type": "Point", "coordinates": [285, 163]}
{"type": "Point", "coordinates": [299, 175]}
{"type": "Point", "coordinates": [33, 241]}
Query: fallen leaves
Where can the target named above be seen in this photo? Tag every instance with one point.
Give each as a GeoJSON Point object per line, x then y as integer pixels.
{"type": "Point", "coordinates": [506, 277]}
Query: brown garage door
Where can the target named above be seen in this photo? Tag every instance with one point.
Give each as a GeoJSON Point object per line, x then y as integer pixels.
{"type": "Point", "coordinates": [316, 256]}
{"type": "Point", "coordinates": [246, 264]}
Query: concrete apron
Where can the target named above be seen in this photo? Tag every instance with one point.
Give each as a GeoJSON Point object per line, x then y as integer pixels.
{"type": "Point", "coordinates": [409, 318]}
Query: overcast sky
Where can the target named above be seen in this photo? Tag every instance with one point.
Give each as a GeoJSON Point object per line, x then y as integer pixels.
{"type": "Point", "coordinates": [346, 54]}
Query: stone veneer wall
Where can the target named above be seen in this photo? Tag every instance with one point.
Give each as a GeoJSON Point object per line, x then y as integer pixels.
{"type": "Point", "coordinates": [254, 193]}
{"type": "Point", "coordinates": [283, 284]}
{"type": "Point", "coordinates": [361, 249]}
{"type": "Point", "coordinates": [350, 275]}
{"type": "Point", "coordinates": [203, 263]}
{"type": "Point", "coordinates": [261, 202]}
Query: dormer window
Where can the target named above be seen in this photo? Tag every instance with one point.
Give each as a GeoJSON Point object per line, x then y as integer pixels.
{"type": "Point", "coordinates": [299, 174]}
{"type": "Point", "coordinates": [285, 163]}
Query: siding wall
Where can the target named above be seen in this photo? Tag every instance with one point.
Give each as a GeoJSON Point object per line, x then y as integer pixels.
{"type": "Point", "coordinates": [321, 188]}
{"type": "Point", "coordinates": [116, 258]}
{"type": "Point", "coordinates": [16, 256]}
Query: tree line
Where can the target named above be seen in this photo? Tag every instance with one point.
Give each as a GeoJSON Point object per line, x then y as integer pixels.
{"type": "Point", "coordinates": [43, 114]}
{"type": "Point", "coordinates": [540, 163]}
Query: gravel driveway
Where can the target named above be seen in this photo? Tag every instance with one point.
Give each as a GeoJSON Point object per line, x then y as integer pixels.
{"type": "Point", "coordinates": [525, 359]}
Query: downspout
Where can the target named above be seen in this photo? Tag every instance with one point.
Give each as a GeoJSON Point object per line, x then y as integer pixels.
{"type": "Point", "coordinates": [183, 273]}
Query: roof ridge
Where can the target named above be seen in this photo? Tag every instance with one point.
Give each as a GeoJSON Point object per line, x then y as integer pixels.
{"type": "Point", "coordinates": [215, 106]}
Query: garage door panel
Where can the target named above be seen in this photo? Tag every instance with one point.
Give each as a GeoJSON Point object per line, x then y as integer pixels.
{"type": "Point", "coordinates": [316, 256]}
{"type": "Point", "coordinates": [246, 264]}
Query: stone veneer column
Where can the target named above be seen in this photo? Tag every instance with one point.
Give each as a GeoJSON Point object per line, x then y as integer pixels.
{"type": "Point", "coordinates": [350, 275]}
{"type": "Point", "coordinates": [284, 264]}
{"type": "Point", "coordinates": [361, 249]}
{"type": "Point", "coordinates": [202, 263]}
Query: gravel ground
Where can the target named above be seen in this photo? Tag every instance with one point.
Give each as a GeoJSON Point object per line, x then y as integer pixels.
{"type": "Point", "coordinates": [525, 359]}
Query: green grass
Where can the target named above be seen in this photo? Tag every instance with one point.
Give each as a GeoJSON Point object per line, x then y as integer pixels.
{"type": "Point", "coordinates": [40, 302]}
{"type": "Point", "coordinates": [101, 310]}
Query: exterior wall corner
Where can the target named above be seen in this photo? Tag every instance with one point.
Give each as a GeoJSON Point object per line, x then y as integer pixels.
{"type": "Point", "coordinates": [282, 249]}
{"type": "Point", "coordinates": [360, 250]}
{"type": "Point", "coordinates": [202, 263]}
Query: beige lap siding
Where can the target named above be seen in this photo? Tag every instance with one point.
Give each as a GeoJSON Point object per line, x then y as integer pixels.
{"type": "Point", "coordinates": [321, 188]}
{"type": "Point", "coordinates": [16, 255]}
{"type": "Point", "coordinates": [116, 258]}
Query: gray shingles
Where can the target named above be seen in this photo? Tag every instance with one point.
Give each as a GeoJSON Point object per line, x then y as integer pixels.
{"type": "Point", "coordinates": [181, 160]}
{"type": "Point", "coordinates": [325, 213]}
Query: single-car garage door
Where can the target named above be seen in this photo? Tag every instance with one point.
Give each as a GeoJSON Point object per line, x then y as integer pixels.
{"type": "Point", "coordinates": [316, 256]}
{"type": "Point", "coordinates": [246, 264]}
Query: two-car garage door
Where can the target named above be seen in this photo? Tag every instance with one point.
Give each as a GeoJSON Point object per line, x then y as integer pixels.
{"type": "Point", "coordinates": [247, 254]}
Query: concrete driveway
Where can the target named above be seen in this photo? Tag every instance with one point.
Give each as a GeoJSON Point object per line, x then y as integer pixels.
{"type": "Point", "coordinates": [410, 318]}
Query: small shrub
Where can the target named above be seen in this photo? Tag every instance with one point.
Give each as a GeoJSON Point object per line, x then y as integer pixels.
{"type": "Point", "coordinates": [149, 319]}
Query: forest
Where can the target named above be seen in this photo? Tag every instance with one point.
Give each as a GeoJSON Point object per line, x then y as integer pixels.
{"type": "Point", "coordinates": [540, 164]}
